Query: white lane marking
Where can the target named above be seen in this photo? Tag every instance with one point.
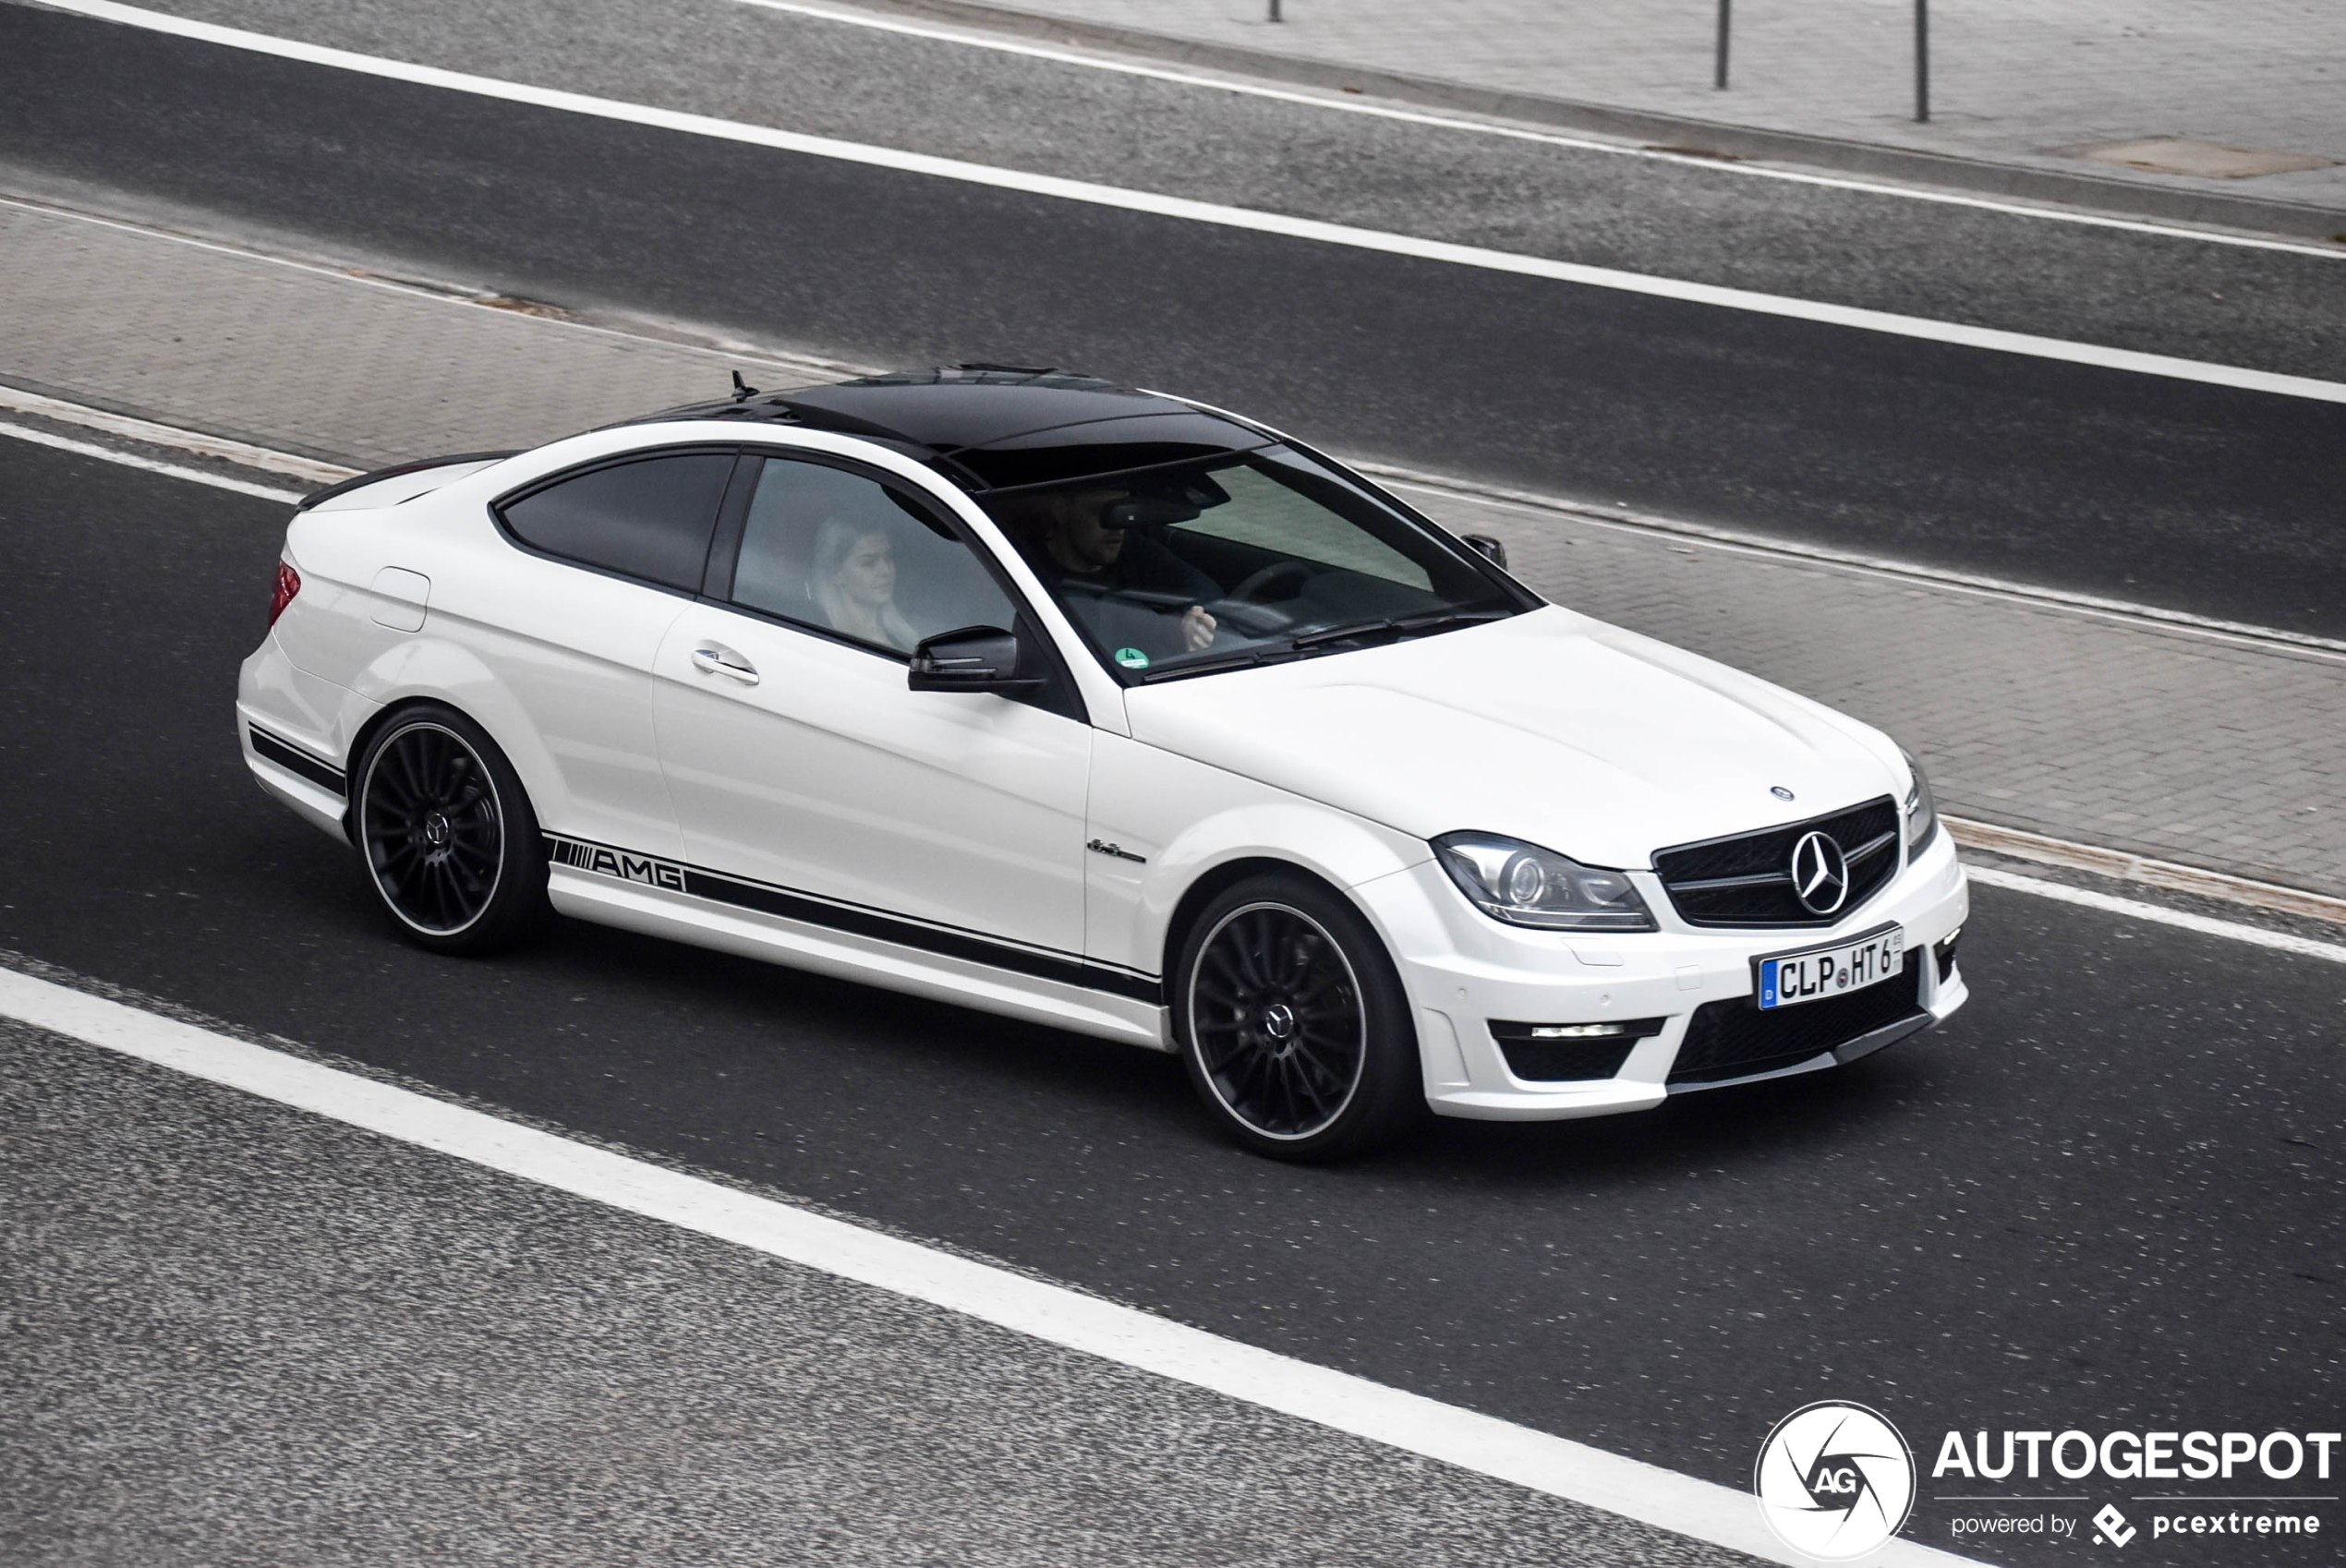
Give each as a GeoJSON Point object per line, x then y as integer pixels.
{"type": "Point", "coordinates": [2205, 925]}
{"type": "Point", "coordinates": [1515, 133]}
{"type": "Point", "coordinates": [242, 453]}
{"type": "Point", "coordinates": [2094, 606]}
{"type": "Point", "coordinates": [130, 460]}
{"type": "Point", "coordinates": [1054, 1314]}
{"type": "Point", "coordinates": [1992, 339]}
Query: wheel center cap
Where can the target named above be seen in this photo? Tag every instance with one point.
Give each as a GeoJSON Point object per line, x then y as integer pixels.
{"type": "Point", "coordinates": [436, 829]}
{"type": "Point", "coordinates": [1279, 1021]}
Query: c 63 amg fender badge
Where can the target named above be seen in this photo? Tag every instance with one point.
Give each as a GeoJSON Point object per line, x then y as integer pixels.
{"type": "Point", "coordinates": [1834, 1481]}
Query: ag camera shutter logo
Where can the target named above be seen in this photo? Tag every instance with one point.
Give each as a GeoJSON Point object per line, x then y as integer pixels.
{"type": "Point", "coordinates": [1834, 1481]}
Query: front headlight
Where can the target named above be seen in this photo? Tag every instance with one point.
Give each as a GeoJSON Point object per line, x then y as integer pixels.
{"type": "Point", "coordinates": [1922, 812]}
{"type": "Point", "coordinates": [1524, 884]}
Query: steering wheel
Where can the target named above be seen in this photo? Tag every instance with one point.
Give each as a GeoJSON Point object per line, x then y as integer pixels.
{"type": "Point", "coordinates": [1250, 589]}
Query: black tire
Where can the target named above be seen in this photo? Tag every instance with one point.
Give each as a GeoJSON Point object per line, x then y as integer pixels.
{"type": "Point", "coordinates": [1293, 1023]}
{"type": "Point", "coordinates": [446, 835]}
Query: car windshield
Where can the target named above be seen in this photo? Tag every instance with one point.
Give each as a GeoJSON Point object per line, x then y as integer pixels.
{"type": "Point", "coordinates": [1239, 559]}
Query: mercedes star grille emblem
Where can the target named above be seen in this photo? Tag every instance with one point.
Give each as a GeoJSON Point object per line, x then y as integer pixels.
{"type": "Point", "coordinates": [1819, 873]}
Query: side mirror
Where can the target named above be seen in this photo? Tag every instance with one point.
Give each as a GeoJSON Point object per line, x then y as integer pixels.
{"type": "Point", "coordinates": [975, 659]}
{"type": "Point", "coordinates": [1488, 548]}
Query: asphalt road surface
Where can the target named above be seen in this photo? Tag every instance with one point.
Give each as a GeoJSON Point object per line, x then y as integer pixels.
{"type": "Point", "coordinates": [2209, 500]}
{"type": "Point", "coordinates": [2104, 1197]}
{"type": "Point", "coordinates": [442, 1364]}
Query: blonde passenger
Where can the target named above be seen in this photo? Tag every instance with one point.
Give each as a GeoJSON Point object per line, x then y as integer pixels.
{"type": "Point", "coordinates": [854, 583]}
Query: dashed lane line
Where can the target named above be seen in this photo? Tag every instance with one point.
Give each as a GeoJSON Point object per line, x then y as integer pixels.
{"type": "Point", "coordinates": [1992, 338]}
{"type": "Point", "coordinates": [1054, 1314]}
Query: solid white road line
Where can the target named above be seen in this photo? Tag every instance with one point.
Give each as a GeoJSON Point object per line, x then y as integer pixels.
{"type": "Point", "coordinates": [2206, 925]}
{"type": "Point", "coordinates": [130, 459]}
{"type": "Point", "coordinates": [1994, 340]}
{"type": "Point", "coordinates": [1001, 46]}
{"type": "Point", "coordinates": [242, 453]}
{"type": "Point", "coordinates": [1054, 1314]}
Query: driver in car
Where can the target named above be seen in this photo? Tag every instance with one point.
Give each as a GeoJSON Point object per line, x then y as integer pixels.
{"type": "Point", "coordinates": [1127, 585]}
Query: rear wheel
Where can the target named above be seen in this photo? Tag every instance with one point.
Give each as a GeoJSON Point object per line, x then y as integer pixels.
{"type": "Point", "coordinates": [450, 843]}
{"type": "Point", "coordinates": [1293, 1024]}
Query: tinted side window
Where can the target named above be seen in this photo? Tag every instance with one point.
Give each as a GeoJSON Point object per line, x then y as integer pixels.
{"type": "Point", "coordinates": [837, 550]}
{"type": "Point", "coordinates": [650, 518]}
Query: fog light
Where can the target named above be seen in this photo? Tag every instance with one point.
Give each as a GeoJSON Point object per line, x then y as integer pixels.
{"type": "Point", "coordinates": [1565, 1053]}
{"type": "Point", "coordinates": [1944, 950]}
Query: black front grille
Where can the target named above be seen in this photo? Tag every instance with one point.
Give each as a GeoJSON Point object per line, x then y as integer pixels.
{"type": "Point", "coordinates": [1735, 1039]}
{"type": "Point", "coordinates": [1747, 880]}
{"type": "Point", "coordinates": [1564, 1061]}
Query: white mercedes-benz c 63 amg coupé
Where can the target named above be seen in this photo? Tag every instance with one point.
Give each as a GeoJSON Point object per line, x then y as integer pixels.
{"type": "Point", "coordinates": [1098, 707]}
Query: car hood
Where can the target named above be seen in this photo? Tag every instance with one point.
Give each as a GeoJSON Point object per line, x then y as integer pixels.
{"type": "Point", "coordinates": [1550, 727]}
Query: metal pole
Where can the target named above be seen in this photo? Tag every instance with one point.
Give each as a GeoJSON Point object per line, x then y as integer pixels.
{"type": "Point", "coordinates": [1718, 69]}
{"type": "Point", "coordinates": [1274, 10]}
{"type": "Point", "coordinates": [1922, 59]}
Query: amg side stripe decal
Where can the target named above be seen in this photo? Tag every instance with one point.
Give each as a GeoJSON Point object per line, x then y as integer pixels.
{"type": "Point", "coordinates": [293, 759]}
{"type": "Point", "coordinates": [625, 865]}
{"type": "Point", "coordinates": [603, 862]}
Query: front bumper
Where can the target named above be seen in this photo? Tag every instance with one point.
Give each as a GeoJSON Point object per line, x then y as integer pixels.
{"type": "Point", "coordinates": [1463, 970]}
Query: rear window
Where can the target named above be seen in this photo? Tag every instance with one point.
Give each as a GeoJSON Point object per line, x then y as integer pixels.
{"type": "Point", "coordinates": [649, 518]}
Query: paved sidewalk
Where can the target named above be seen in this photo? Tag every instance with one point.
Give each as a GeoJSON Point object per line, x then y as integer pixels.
{"type": "Point", "coordinates": [2024, 84]}
{"type": "Point", "coordinates": [2149, 739]}
{"type": "Point", "coordinates": [325, 363]}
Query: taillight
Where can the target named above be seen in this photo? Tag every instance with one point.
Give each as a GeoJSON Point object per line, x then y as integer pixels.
{"type": "Point", "coordinates": [288, 585]}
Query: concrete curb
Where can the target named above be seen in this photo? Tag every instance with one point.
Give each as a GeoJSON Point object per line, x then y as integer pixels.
{"type": "Point", "coordinates": [1719, 138]}
{"type": "Point", "coordinates": [2123, 866]}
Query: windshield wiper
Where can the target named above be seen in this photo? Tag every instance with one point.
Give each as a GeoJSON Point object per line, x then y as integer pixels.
{"type": "Point", "coordinates": [1242, 658]}
{"type": "Point", "coordinates": [1292, 647]}
{"type": "Point", "coordinates": [1399, 626]}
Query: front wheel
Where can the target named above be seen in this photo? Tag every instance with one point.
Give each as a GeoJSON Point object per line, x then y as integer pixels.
{"type": "Point", "coordinates": [1293, 1024]}
{"type": "Point", "coordinates": [450, 845]}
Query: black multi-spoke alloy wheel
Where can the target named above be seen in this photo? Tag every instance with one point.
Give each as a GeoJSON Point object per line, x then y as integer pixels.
{"type": "Point", "coordinates": [1293, 1023]}
{"type": "Point", "coordinates": [450, 846]}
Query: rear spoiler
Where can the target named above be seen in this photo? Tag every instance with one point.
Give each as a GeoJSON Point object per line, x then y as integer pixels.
{"type": "Point", "coordinates": [362, 480]}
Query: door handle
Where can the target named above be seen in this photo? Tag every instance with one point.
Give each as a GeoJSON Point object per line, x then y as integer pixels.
{"type": "Point", "coordinates": [716, 658]}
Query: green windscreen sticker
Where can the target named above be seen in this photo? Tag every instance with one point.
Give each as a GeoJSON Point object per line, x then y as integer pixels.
{"type": "Point", "coordinates": [1131, 658]}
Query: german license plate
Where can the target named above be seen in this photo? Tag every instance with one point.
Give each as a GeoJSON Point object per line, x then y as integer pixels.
{"type": "Point", "coordinates": [1790, 978]}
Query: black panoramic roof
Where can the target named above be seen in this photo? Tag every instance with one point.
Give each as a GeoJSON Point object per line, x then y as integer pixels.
{"type": "Point", "coordinates": [994, 426]}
